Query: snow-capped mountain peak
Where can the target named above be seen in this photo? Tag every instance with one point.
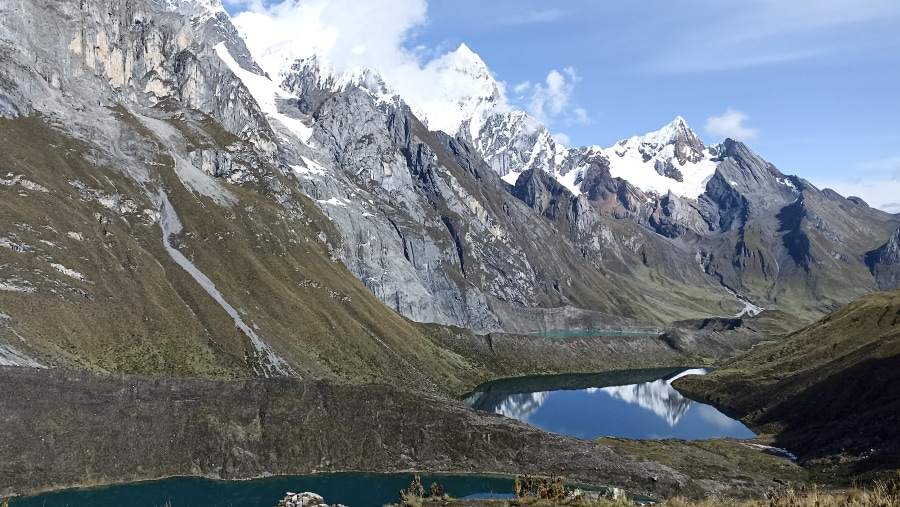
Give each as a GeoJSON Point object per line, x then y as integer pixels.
{"type": "Point", "coordinates": [465, 55]}
{"type": "Point", "coordinates": [456, 93]}
{"type": "Point", "coordinates": [687, 146]}
{"type": "Point", "coordinates": [677, 129]}
{"type": "Point", "coordinates": [467, 93]}
{"type": "Point", "coordinates": [445, 93]}
{"type": "Point", "coordinates": [671, 159]}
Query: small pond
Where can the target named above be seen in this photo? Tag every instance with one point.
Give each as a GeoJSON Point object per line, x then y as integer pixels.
{"type": "Point", "coordinates": [354, 490]}
{"type": "Point", "coordinates": [637, 404]}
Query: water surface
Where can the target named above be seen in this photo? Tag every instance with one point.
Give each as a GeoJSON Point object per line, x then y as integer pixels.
{"type": "Point", "coordinates": [593, 333]}
{"type": "Point", "coordinates": [353, 490]}
{"type": "Point", "coordinates": [637, 404]}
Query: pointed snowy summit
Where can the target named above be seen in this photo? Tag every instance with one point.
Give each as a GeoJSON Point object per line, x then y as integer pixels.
{"type": "Point", "coordinates": [467, 90]}
{"type": "Point", "coordinates": [678, 129]}
{"type": "Point", "coordinates": [671, 159]}
{"type": "Point", "coordinates": [688, 147]}
{"type": "Point", "coordinates": [467, 65]}
{"type": "Point", "coordinates": [465, 53]}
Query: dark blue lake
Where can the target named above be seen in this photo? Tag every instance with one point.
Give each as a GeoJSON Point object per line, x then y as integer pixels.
{"type": "Point", "coordinates": [354, 490]}
{"type": "Point", "coordinates": [638, 404]}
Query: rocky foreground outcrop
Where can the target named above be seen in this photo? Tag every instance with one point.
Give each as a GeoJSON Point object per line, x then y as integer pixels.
{"type": "Point", "coordinates": [304, 500]}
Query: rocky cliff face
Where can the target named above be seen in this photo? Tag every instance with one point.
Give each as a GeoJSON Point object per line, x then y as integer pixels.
{"type": "Point", "coordinates": [884, 262]}
{"type": "Point", "coordinates": [158, 212]}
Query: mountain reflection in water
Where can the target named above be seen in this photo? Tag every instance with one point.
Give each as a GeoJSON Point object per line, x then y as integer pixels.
{"type": "Point", "coordinates": [648, 409]}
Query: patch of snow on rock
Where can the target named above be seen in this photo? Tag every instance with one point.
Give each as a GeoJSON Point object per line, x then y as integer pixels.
{"type": "Point", "coordinates": [68, 272]}
{"type": "Point", "coordinates": [266, 93]}
{"type": "Point", "coordinates": [16, 285]}
{"type": "Point", "coordinates": [272, 363]}
{"type": "Point", "coordinates": [334, 201]}
{"type": "Point", "coordinates": [13, 180]}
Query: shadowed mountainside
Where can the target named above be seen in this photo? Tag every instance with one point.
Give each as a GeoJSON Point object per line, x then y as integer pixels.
{"type": "Point", "coordinates": [826, 390]}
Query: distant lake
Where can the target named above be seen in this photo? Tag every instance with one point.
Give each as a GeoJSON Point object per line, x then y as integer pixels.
{"type": "Point", "coordinates": [636, 404]}
{"type": "Point", "coordinates": [353, 490]}
{"type": "Point", "coordinates": [594, 333]}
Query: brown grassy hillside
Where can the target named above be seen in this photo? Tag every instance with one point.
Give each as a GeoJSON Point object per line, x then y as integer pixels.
{"type": "Point", "coordinates": [829, 389]}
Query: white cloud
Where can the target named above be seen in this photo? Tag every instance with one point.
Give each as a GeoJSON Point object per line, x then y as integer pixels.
{"type": "Point", "coordinates": [731, 124]}
{"type": "Point", "coordinates": [581, 116]}
{"type": "Point", "coordinates": [562, 139]}
{"type": "Point", "coordinates": [550, 99]}
{"type": "Point", "coordinates": [879, 192]}
{"type": "Point", "coordinates": [371, 37]}
{"type": "Point", "coordinates": [522, 87]}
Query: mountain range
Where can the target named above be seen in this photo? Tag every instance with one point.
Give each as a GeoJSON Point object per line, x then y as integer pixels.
{"type": "Point", "coordinates": [721, 213]}
{"type": "Point", "coordinates": [181, 209]}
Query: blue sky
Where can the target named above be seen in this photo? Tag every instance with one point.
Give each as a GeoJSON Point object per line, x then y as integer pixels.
{"type": "Point", "coordinates": [812, 86]}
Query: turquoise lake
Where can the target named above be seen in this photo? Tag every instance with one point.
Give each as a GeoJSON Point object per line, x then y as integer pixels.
{"type": "Point", "coordinates": [353, 490]}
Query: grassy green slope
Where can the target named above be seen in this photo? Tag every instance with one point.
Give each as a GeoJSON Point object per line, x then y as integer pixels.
{"type": "Point", "coordinates": [137, 311]}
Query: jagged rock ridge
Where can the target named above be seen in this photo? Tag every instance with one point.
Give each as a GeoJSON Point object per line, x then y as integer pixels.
{"type": "Point", "coordinates": [703, 206]}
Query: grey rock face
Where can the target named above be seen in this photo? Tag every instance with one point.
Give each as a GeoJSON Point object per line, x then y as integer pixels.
{"type": "Point", "coordinates": [444, 223]}
{"type": "Point", "coordinates": [123, 52]}
{"type": "Point", "coordinates": [379, 179]}
{"type": "Point", "coordinates": [144, 105]}
{"type": "Point", "coordinates": [884, 263]}
{"type": "Point", "coordinates": [890, 251]}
